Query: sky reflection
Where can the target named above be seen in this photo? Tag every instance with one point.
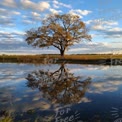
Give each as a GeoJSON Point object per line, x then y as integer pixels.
{"type": "Point", "coordinates": [103, 93]}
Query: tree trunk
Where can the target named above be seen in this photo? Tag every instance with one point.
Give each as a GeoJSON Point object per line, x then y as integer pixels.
{"type": "Point", "coordinates": [62, 52]}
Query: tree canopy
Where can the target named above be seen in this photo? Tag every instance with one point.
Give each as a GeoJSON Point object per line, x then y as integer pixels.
{"type": "Point", "coordinates": [60, 31]}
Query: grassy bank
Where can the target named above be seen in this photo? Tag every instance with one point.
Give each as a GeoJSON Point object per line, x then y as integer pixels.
{"type": "Point", "coordinates": [54, 58]}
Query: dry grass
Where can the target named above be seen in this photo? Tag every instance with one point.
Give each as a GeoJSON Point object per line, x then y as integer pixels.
{"type": "Point", "coordinates": [40, 58]}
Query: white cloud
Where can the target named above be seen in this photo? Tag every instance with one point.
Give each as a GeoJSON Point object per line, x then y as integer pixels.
{"type": "Point", "coordinates": [79, 12]}
{"type": "Point", "coordinates": [112, 32]}
{"type": "Point", "coordinates": [57, 4]}
{"type": "Point", "coordinates": [40, 6]}
{"type": "Point", "coordinates": [27, 51]}
{"type": "Point", "coordinates": [6, 21]}
{"type": "Point", "coordinates": [77, 49]}
{"type": "Point", "coordinates": [11, 37]}
{"type": "Point", "coordinates": [92, 48]}
{"type": "Point", "coordinates": [97, 27]}
{"type": "Point", "coordinates": [32, 18]}
{"type": "Point", "coordinates": [35, 14]}
{"type": "Point", "coordinates": [9, 3]}
{"type": "Point", "coordinates": [100, 87]}
{"type": "Point", "coordinates": [82, 12]}
{"type": "Point", "coordinates": [15, 12]}
{"type": "Point", "coordinates": [110, 22]}
{"type": "Point", "coordinates": [27, 4]}
{"type": "Point", "coordinates": [106, 29]}
{"type": "Point", "coordinates": [102, 22]}
{"type": "Point", "coordinates": [116, 29]}
{"type": "Point", "coordinates": [53, 11]}
{"type": "Point", "coordinates": [73, 13]}
{"type": "Point", "coordinates": [7, 17]}
{"type": "Point", "coordinates": [28, 21]}
{"type": "Point", "coordinates": [8, 12]}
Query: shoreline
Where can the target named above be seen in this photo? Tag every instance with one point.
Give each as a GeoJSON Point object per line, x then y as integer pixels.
{"type": "Point", "coordinates": [103, 59]}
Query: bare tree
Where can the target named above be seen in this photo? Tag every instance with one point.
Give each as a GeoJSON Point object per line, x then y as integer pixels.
{"type": "Point", "coordinates": [59, 31]}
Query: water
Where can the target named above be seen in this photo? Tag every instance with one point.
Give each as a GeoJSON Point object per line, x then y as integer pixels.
{"type": "Point", "coordinates": [60, 93]}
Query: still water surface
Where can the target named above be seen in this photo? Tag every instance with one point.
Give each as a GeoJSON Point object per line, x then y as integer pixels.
{"type": "Point", "coordinates": [60, 92]}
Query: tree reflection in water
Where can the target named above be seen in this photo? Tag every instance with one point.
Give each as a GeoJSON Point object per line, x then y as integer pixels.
{"type": "Point", "coordinates": [59, 86]}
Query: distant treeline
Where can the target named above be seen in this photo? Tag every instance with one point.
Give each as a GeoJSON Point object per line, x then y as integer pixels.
{"type": "Point", "coordinates": [74, 58]}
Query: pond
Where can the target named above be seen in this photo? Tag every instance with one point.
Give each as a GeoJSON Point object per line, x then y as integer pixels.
{"type": "Point", "coordinates": [60, 93]}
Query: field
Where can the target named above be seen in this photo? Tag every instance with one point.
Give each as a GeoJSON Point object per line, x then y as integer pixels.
{"type": "Point", "coordinates": [55, 58]}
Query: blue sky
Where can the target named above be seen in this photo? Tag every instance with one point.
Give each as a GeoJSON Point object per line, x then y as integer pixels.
{"type": "Point", "coordinates": [102, 17]}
